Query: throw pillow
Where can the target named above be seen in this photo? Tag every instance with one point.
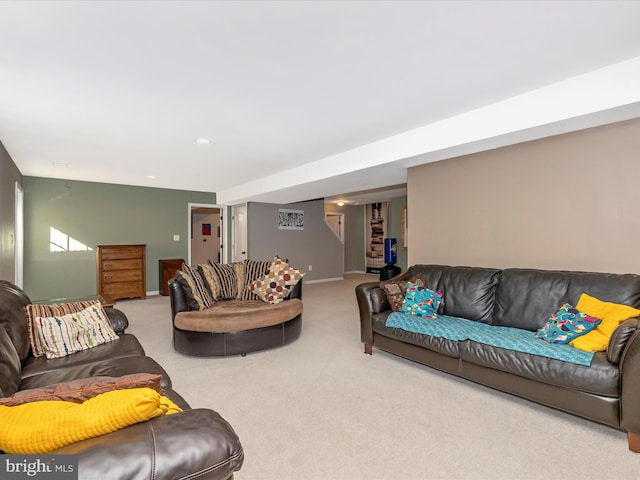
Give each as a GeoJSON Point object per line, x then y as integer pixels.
{"type": "Point", "coordinates": [396, 290]}
{"type": "Point", "coordinates": [211, 280]}
{"type": "Point", "coordinates": [200, 293]}
{"type": "Point", "coordinates": [52, 425]}
{"type": "Point", "coordinates": [53, 310]}
{"type": "Point", "coordinates": [81, 389]}
{"type": "Point", "coordinates": [612, 315]}
{"type": "Point", "coordinates": [253, 271]}
{"type": "Point", "coordinates": [566, 324]}
{"type": "Point", "coordinates": [227, 275]}
{"type": "Point", "coordinates": [276, 285]}
{"type": "Point", "coordinates": [421, 301]}
{"type": "Point", "coordinates": [191, 293]}
{"type": "Point", "coordinates": [73, 332]}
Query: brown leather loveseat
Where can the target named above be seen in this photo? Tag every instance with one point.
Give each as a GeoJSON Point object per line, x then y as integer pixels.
{"type": "Point", "coordinates": [194, 443]}
{"type": "Point", "coordinates": [606, 391]}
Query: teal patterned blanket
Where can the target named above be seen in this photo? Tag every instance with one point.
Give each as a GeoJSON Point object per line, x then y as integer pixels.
{"type": "Point", "coordinates": [454, 328]}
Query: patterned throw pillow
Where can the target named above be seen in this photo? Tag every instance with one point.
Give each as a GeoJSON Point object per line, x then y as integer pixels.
{"type": "Point", "coordinates": [566, 324]}
{"type": "Point", "coordinates": [53, 310]}
{"type": "Point", "coordinates": [194, 287]}
{"type": "Point", "coordinates": [253, 271]}
{"type": "Point", "coordinates": [395, 290]}
{"type": "Point", "coordinates": [211, 280]}
{"type": "Point", "coordinates": [276, 285]}
{"type": "Point", "coordinates": [71, 333]}
{"type": "Point", "coordinates": [421, 301]}
{"type": "Point", "coordinates": [228, 275]}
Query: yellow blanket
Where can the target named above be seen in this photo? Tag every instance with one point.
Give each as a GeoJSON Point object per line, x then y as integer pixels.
{"type": "Point", "coordinates": [40, 427]}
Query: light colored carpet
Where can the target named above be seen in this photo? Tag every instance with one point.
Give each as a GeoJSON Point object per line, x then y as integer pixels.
{"type": "Point", "coordinates": [321, 409]}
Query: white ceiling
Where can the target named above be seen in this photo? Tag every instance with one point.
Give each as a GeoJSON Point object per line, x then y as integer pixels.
{"type": "Point", "coordinates": [305, 99]}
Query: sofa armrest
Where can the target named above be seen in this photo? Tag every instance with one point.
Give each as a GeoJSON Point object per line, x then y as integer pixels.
{"type": "Point", "coordinates": [630, 385]}
{"type": "Point", "coordinates": [118, 319]}
{"type": "Point", "coordinates": [371, 300]}
{"type": "Point", "coordinates": [178, 298]}
{"type": "Point", "coordinates": [195, 443]}
{"type": "Point", "coordinates": [296, 291]}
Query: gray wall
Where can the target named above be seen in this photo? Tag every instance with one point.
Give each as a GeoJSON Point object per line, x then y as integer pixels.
{"type": "Point", "coordinates": [9, 175]}
{"type": "Point", "coordinates": [97, 214]}
{"type": "Point", "coordinates": [316, 245]}
{"type": "Point", "coordinates": [353, 235]}
{"type": "Point", "coordinates": [564, 202]}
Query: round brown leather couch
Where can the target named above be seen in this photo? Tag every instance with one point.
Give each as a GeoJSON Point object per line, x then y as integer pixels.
{"type": "Point", "coordinates": [230, 330]}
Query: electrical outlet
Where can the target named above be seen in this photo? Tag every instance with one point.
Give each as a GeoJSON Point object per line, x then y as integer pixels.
{"type": "Point", "coordinates": [310, 267]}
{"type": "Point", "coordinates": [176, 238]}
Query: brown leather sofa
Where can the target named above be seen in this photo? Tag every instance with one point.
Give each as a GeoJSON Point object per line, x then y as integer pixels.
{"type": "Point", "coordinates": [195, 443]}
{"type": "Point", "coordinates": [233, 327]}
{"type": "Point", "coordinates": [607, 392]}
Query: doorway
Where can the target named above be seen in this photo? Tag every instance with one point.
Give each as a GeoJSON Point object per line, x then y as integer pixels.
{"type": "Point", "coordinates": [239, 232]}
{"type": "Point", "coordinates": [18, 236]}
{"type": "Point", "coordinates": [207, 232]}
{"type": "Point", "coordinates": [336, 222]}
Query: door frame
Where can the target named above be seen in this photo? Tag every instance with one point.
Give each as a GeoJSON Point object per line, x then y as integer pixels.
{"type": "Point", "coordinates": [223, 220]}
{"type": "Point", "coordinates": [18, 236]}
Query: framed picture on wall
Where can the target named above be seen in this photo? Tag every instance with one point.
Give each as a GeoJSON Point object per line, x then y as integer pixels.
{"type": "Point", "coordinates": [290, 219]}
{"type": "Point", "coordinates": [206, 229]}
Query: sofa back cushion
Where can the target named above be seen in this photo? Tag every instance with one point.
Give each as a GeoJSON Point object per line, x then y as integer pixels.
{"type": "Point", "coordinates": [526, 298]}
{"type": "Point", "coordinates": [10, 366]}
{"type": "Point", "coordinates": [468, 292]}
{"type": "Point", "coordinates": [13, 317]}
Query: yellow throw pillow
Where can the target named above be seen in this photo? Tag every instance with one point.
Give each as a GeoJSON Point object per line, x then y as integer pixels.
{"type": "Point", "coordinates": [612, 315]}
{"type": "Point", "coordinates": [40, 427]}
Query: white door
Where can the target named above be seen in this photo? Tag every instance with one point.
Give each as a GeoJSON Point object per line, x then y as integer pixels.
{"type": "Point", "coordinates": [239, 232]}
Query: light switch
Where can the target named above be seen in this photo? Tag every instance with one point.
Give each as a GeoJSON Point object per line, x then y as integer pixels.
{"type": "Point", "coordinates": [176, 238]}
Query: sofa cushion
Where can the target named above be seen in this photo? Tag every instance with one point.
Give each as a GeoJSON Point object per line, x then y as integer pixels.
{"type": "Point", "coordinates": [12, 317]}
{"type": "Point", "coordinates": [226, 276]}
{"type": "Point", "coordinates": [126, 346]}
{"type": "Point", "coordinates": [468, 292]}
{"type": "Point", "coordinates": [79, 390]}
{"type": "Point", "coordinates": [238, 315]}
{"type": "Point", "coordinates": [612, 315]}
{"type": "Point", "coordinates": [41, 427]}
{"type": "Point", "coordinates": [10, 368]}
{"type": "Point", "coordinates": [601, 378]}
{"type": "Point", "coordinates": [436, 344]}
{"type": "Point", "coordinates": [567, 324]}
{"type": "Point", "coordinates": [195, 287]}
{"type": "Point", "coordinates": [49, 310]}
{"type": "Point", "coordinates": [526, 298]}
{"type": "Point", "coordinates": [63, 335]}
{"type": "Point", "coordinates": [253, 270]}
{"type": "Point", "coordinates": [395, 290]}
{"type": "Point", "coordinates": [116, 367]}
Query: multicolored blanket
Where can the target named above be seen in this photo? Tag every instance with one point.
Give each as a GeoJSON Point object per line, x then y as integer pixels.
{"type": "Point", "coordinates": [454, 328]}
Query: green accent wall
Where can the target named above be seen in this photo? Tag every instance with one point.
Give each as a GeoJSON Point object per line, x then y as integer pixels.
{"type": "Point", "coordinates": [98, 214]}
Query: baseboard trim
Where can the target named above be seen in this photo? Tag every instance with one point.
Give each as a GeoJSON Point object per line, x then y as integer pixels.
{"type": "Point", "coordinates": [358, 271]}
{"type": "Point", "coordinates": [323, 280]}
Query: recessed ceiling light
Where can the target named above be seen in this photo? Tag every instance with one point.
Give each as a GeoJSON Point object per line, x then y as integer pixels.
{"type": "Point", "coordinates": [340, 203]}
{"type": "Point", "coordinates": [203, 141]}
{"type": "Point", "coordinates": [152, 177]}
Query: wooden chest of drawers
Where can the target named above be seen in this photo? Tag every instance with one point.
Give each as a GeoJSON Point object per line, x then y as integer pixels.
{"type": "Point", "coordinates": [121, 271]}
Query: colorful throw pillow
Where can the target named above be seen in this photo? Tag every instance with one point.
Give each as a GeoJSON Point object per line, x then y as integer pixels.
{"type": "Point", "coordinates": [40, 427]}
{"type": "Point", "coordinates": [74, 332]}
{"type": "Point", "coordinates": [612, 315]}
{"type": "Point", "coordinates": [81, 389]}
{"type": "Point", "coordinates": [567, 324]}
{"type": "Point", "coordinates": [276, 285]}
{"type": "Point", "coordinates": [253, 271]}
{"type": "Point", "coordinates": [196, 287]}
{"type": "Point", "coordinates": [395, 290]}
{"type": "Point", "coordinates": [421, 301]}
{"type": "Point", "coordinates": [52, 310]}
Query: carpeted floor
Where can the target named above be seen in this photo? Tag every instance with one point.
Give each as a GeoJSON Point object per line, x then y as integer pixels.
{"type": "Point", "coordinates": [321, 409]}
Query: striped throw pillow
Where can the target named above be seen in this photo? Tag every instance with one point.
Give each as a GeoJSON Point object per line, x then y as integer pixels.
{"type": "Point", "coordinates": [53, 310]}
{"type": "Point", "coordinates": [74, 332]}
{"type": "Point", "coordinates": [197, 294]}
{"type": "Point", "coordinates": [253, 270]}
{"type": "Point", "coordinates": [227, 274]}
